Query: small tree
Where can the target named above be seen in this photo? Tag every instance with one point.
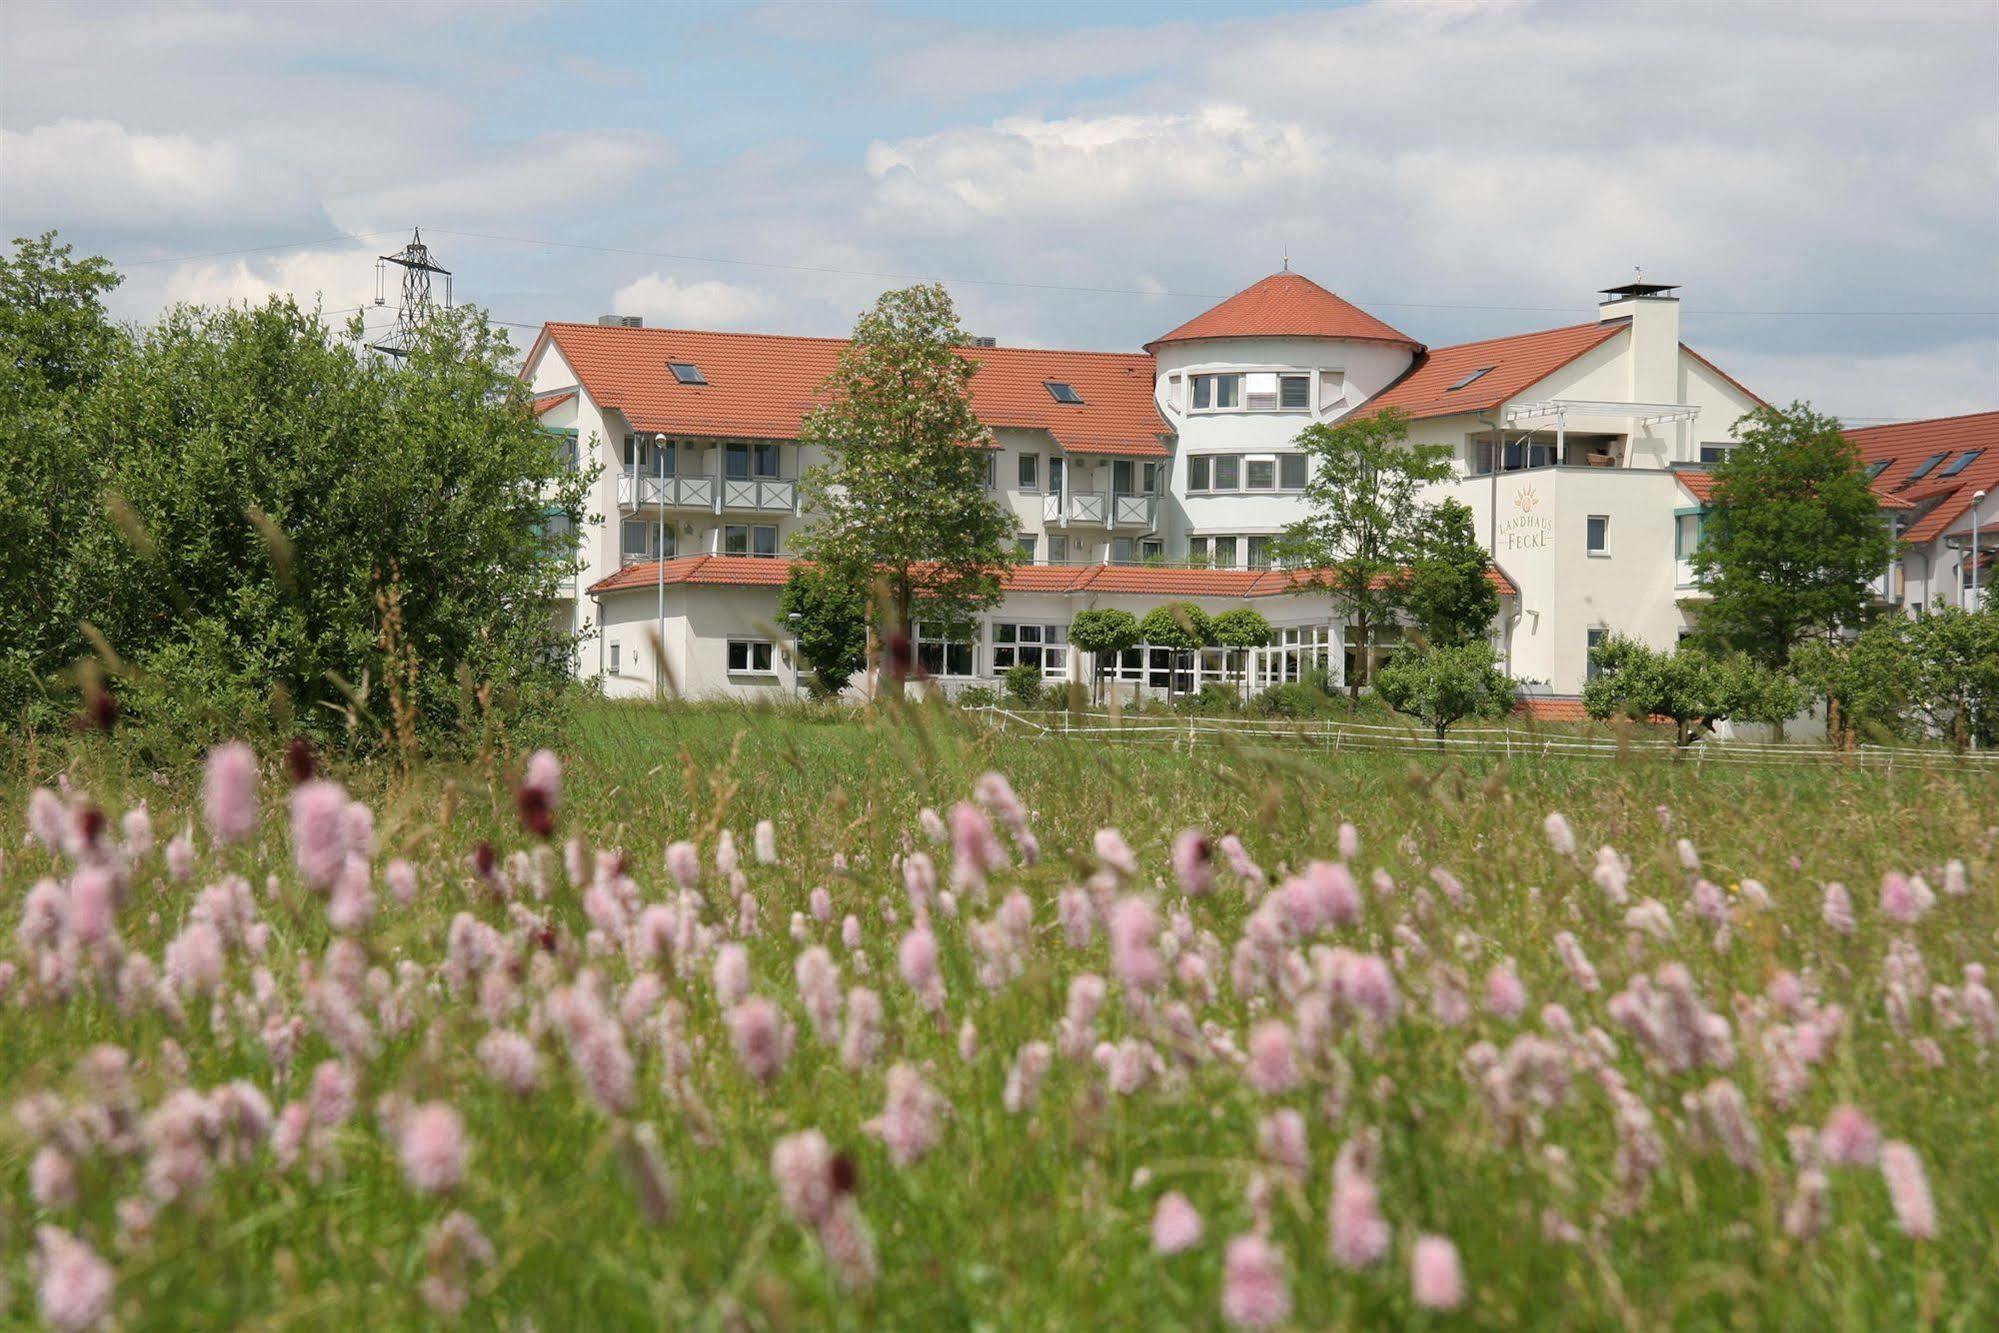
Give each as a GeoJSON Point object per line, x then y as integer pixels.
{"type": "Point", "coordinates": [1689, 685]}
{"type": "Point", "coordinates": [1451, 595]}
{"type": "Point", "coordinates": [1360, 531]}
{"type": "Point", "coordinates": [1444, 685]}
{"type": "Point", "coordinates": [1181, 626]}
{"type": "Point", "coordinates": [901, 505]}
{"type": "Point", "coordinates": [1103, 632]}
{"type": "Point", "coordinates": [1864, 681]}
{"type": "Point", "coordinates": [1240, 630]}
{"type": "Point", "coordinates": [832, 628]}
{"type": "Point", "coordinates": [1756, 694]}
{"type": "Point", "coordinates": [1794, 540]}
{"type": "Point", "coordinates": [1952, 661]}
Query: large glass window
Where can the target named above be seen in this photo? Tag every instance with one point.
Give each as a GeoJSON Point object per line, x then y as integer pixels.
{"type": "Point", "coordinates": [749, 539]}
{"type": "Point", "coordinates": [1291, 472]}
{"type": "Point", "coordinates": [1214, 392]}
{"type": "Point", "coordinates": [1225, 553]}
{"type": "Point", "coordinates": [1260, 474]}
{"type": "Point", "coordinates": [1258, 549]}
{"type": "Point", "coordinates": [1197, 472]}
{"type": "Point", "coordinates": [1045, 646]}
{"type": "Point", "coordinates": [640, 539]}
{"type": "Point", "coordinates": [751, 657]}
{"type": "Point", "coordinates": [1228, 472]}
{"type": "Point", "coordinates": [942, 654]}
{"type": "Point", "coordinates": [766, 460]}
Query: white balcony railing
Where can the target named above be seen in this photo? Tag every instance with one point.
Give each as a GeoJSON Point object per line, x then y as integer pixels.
{"type": "Point", "coordinates": [1099, 509]}
{"type": "Point", "coordinates": [1683, 572]}
{"type": "Point", "coordinates": [762, 495]}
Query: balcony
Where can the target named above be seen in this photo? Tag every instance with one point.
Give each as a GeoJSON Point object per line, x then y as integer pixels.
{"type": "Point", "coordinates": [1100, 509]}
{"type": "Point", "coordinates": [760, 495]}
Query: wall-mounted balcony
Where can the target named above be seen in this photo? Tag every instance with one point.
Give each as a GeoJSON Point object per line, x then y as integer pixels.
{"type": "Point", "coordinates": [759, 495]}
{"type": "Point", "coordinates": [1101, 509]}
{"type": "Point", "coordinates": [752, 495]}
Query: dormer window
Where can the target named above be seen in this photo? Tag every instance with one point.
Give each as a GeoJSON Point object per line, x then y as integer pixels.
{"type": "Point", "coordinates": [1061, 392]}
{"type": "Point", "coordinates": [686, 372]}
{"type": "Point", "coordinates": [1470, 379]}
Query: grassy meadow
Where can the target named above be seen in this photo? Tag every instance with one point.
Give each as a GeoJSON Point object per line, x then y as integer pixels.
{"type": "Point", "coordinates": [1466, 1070]}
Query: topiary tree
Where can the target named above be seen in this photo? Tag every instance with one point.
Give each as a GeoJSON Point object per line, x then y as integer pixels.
{"type": "Point", "coordinates": [1181, 626]}
{"type": "Point", "coordinates": [1103, 632]}
{"type": "Point", "coordinates": [1443, 685]}
{"type": "Point", "coordinates": [1241, 630]}
{"type": "Point", "coordinates": [832, 627]}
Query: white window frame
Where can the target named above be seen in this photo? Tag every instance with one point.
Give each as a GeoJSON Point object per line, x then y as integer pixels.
{"type": "Point", "coordinates": [1043, 643]}
{"type": "Point", "coordinates": [1028, 471]}
{"type": "Point", "coordinates": [1602, 549]}
{"type": "Point", "coordinates": [750, 531]}
{"type": "Point", "coordinates": [1251, 462]}
{"type": "Point", "coordinates": [614, 657]}
{"type": "Point", "coordinates": [752, 650]}
{"type": "Point", "coordinates": [926, 637]}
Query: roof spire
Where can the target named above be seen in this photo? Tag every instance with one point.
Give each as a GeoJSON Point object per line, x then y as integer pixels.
{"type": "Point", "coordinates": [1287, 257]}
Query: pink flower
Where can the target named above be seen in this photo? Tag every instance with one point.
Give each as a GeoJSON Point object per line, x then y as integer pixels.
{"type": "Point", "coordinates": [1254, 1292]}
{"type": "Point", "coordinates": [1505, 997]}
{"type": "Point", "coordinates": [908, 1125]}
{"type": "Point", "coordinates": [802, 1164]}
{"type": "Point", "coordinates": [47, 819]}
{"type": "Point", "coordinates": [1175, 1224]}
{"type": "Point", "coordinates": [180, 856]}
{"type": "Point", "coordinates": [1193, 863]}
{"type": "Point", "coordinates": [1838, 909]}
{"type": "Point", "coordinates": [76, 1284]}
{"type": "Point", "coordinates": [229, 792]}
{"type": "Point", "coordinates": [1115, 853]}
{"type": "Point", "coordinates": [1335, 896]}
{"type": "Point", "coordinates": [761, 1037]}
{"type": "Point", "coordinates": [1272, 1067]}
{"type": "Point", "coordinates": [52, 1178]}
{"type": "Point", "coordinates": [402, 881]}
{"type": "Point", "coordinates": [1134, 929]}
{"type": "Point", "coordinates": [511, 1061]}
{"type": "Point", "coordinates": [1901, 899]}
{"type": "Point", "coordinates": [433, 1148]}
{"type": "Point", "coordinates": [731, 973]}
{"type": "Point", "coordinates": [1349, 842]}
{"type": "Point", "coordinates": [1280, 1138]}
{"type": "Point", "coordinates": [331, 1099]}
{"type": "Point", "coordinates": [193, 960]}
{"type": "Point", "coordinates": [1560, 837]}
{"type": "Point", "coordinates": [1359, 1235]}
{"type": "Point", "coordinates": [1436, 1279]}
{"type": "Point", "coordinates": [92, 893]}
{"type": "Point", "coordinates": [319, 830]}
{"type": "Point", "coordinates": [916, 959]}
{"type": "Point", "coordinates": [1849, 1138]}
{"type": "Point", "coordinates": [683, 863]}
{"type": "Point", "coordinates": [765, 843]}
{"type": "Point", "coordinates": [1909, 1190]}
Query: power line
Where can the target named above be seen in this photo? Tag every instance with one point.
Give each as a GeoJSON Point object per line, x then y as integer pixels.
{"type": "Point", "coordinates": [255, 249]}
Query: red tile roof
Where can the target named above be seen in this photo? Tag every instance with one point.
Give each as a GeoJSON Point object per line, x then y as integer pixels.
{"type": "Point", "coordinates": [549, 402]}
{"type": "Point", "coordinates": [1286, 305]}
{"type": "Point", "coordinates": [1145, 580]}
{"type": "Point", "coordinates": [1699, 483]}
{"type": "Point", "coordinates": [760, 386]}
{"type": "Point", "coordinates": [1906, 444]}
{"type": "Point", "coordinates": [1512, 365]}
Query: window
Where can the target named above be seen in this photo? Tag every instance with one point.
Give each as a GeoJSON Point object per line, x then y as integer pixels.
{"type": "Point", "coordinates": [1152, 549]}
{"type": "Point", "coordinates": [1062, 393]}
{"type": "Point", "coordinates": [1260, 391]}
{"type": "Point", "coordinates": [1596, 534]}
{"type": "Point", "coordinates": [1121, 477]}
{"type": "Point", "coordinates": [1963, 461]}
{"type": "Point", "coordinates": [1025, 541]}
{"type": "Point", "coordinates": [749, 539]}
{"type": "Point", "coordinates": [1056, 469]}
{"type": "Point", "coordinates": [1015, 644]}
{"type": "Point", "coordinates": [1260, 474]}
{"type": "Point", "coordinates": [1259, 551]}
{"type": "Point", "coordinates": [1876, 469]}
{"type": "Point", "coordinates": [736, 462]}
{"type": "Point", "coordinates": [1151, 473]}
{"type": "Point", "coordinates": [1291, 472]}
{"type": "Point", "coordinates": [1030, 472]}
{"type": "Point", "coordinates": [1197, 550]}
{"type": "Point", "coordinates": [1472, 378]}
{"type": "Point", "coordinates": [765, 460]}
{"type": "Point", "coordinates": [1216, 392]}
{"type": "Point", "coordinates": [942, 654]}
{"type": "Point", "coordinates": [654, 457]}
{"type": "Point", "coordinates": [1225, 553]}
{"type": "Point", "coordinates": [1592, 639]}
{"type": "Point", "coordinates": [750, 657]}
{"type": "Point", "coordinates": [639, 539]}
{"type": "Point", "coordinates": [1714, 451]}
{"type": "Point", "coordinates": [1121, 548]}
{"type": "Point", "coordinates": [686, 372]}
{"type": "Point", "coordinates": [614, 657]}
{"type": "Point", "coordinates": [1197, 472]}
{"type": "Point", "coordinates": [1294, 392]}
{"type": "Point", "coordinates": [992, 472]}
{"type": "Point", "coordinates": [1228, 472]}
{"type": "Point", "coordinates": [1923, 468]}
{"type": "Point", "coordinates": [1688, 530]}
{"type": "Point", "coordinates": [1058, 548]}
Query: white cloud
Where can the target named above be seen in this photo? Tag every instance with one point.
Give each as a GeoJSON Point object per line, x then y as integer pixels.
{"type": "Point", "coordinates": [704, 304]}
{"type": "Point", "coordinates": [546, 172]}
{"type": "Point", "coordinates": [1935, 382]}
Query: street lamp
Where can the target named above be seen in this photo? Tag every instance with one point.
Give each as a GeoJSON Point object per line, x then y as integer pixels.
{"type": "Point", "coordinates": [1977, 498]}
{"type": "Point", "coordinates": [793, 619]}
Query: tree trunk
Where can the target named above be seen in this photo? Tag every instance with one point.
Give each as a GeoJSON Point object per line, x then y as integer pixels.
{"type": "Point", "coordinates": [1361, 662]}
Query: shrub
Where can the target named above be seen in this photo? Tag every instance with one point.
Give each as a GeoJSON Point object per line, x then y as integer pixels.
{"type": "Point", "coordinates": [1023, 684]}
{"type": "Point", "coordinates": [978, 696]}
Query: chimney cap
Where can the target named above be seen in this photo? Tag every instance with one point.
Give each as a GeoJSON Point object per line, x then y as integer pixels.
{"type": "Point", "coordinates": [1654, 291]}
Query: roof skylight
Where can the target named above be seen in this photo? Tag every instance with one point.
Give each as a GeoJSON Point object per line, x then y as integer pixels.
{"type": "Point", "coordinates": [1963, 461]}
{"type": "Point", "coordinates": [1923, 468]}
{"type": "Point", "coordinates": [686, 372]}
{"type": "Point", "coordinates": [1061, 392]}
{"type": "Point", "coordinates": [1481, 371]}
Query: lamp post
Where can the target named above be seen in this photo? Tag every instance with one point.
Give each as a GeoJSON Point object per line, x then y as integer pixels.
{"type": "Point", "coordinates": [1977, 499]}
{"type": "Point", "coordinates": [793, 619]}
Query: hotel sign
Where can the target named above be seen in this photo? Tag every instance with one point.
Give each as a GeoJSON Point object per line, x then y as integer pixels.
{"type": "Point", "coordinates": [1527, 530]}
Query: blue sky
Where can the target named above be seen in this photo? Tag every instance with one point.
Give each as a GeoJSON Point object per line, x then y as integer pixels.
{"type": "Point", "coordinates": [1463, 170]}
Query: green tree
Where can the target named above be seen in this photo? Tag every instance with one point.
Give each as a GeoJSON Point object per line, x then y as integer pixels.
{"type": "Point", "coordinates": [1863, 681]}
{"type": "Point", "coordinates": [1451, 595]}
{"type": "Point", "coordinates": [1180, 626]}
{"type": "Point", "coordinates": [1690, 685]}
{"type": "Point", "coordinates": [1951, 657]}
{"type": "Point", "coordinates": [901, 505]}
{"type": "Point", "coordinates": [1239, 630]}
{"type": "Point", "coordinates": [832, 626]}
{"type": "Point", "coordinates": [1794, 537]}
{"type": "Point", "coordinates": [1363, 519]}
{"type": "Point", "coordinates": [1103, 633]}
{"type": "Point", "coordinates": [1444, 684]}
{"type": "Point", "coordinates": [1758, 694]}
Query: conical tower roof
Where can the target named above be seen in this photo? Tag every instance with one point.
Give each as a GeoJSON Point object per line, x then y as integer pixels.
{"type": "Point", "coordinates": [1286, 305]}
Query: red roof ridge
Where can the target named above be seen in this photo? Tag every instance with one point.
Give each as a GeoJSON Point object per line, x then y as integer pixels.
{"type": "Point", "coordinates": [1286, 305]}
{"type": "Point", "coordinates": [832, 340]}
{"type": "Point", "coordinates": [1920, 421]}
{"type": "Point", "coordinates": [1423, 390]}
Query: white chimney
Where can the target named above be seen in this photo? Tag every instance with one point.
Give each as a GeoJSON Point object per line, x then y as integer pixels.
{"type": "Point", "coordinates": [1654, 312]}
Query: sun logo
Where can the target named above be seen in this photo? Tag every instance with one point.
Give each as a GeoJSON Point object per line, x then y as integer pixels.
{"type": "Point", "coordinates": [1525, 499]}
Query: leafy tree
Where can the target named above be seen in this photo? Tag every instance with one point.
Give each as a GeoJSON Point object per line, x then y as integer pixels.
{"type": "Point", "coordinates": [1364, 517]}
{"type": "Point", "coordinates": [1794, 537]}
{"type": "Point", "coordinates": [1444, 684]}
{"type": "Point", "coordinates": [1240, 630]}
{"type": "Point", "coordinates": [832, 626]}
{"type": "Point", "coordinates": [1951, 660]}
{"type": "Point", "coordinates": [1689, 685]}
{"type": "Point", "coordinates": [1756, 694]}
{"type": "Point", "coordinates": [901, 505]}
{"type": "Point", "coordinates": [1103, 632]}
{"type": "Point", "coordinates": [279, 522]}
{"type": "Point", "coordinates": [1863, 681]}
{"type": "Point", "coordinates": [1181, 626]}
{"type": "Point", "coordinates": [1451, 595]}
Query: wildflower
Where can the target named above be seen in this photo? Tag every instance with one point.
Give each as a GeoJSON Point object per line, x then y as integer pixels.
{"type": "Point", "coordinates": [52, 1178]}
{"type": "Point", "coordinates": [731, 974]}
{"type": "Point", "coordinates": [229, 792]}
{"type": "Point", "coordinates": [933, 825]}
{"type": "Point", "coordinates": [540, 793]}
{"type": "Point", "coordinates": [1175, 1224]}
{"type": "Point", "coordinates": [319, 831]}
{"type": "Point", "coordinates": [1240, 864]}
{"type": "Point", "coordinates": [1726, 1114]}
{"type": "Point", "coordinates": [764, 843]}
{"type": "Point", "coordinates": [908, 1125]}
{"type": "Point", "coordinates": [193, 960]}
{"type": "Point", "coordinates": [1611, 875]}
{"type": "Point", "coordinates": [1358, 1235]}
{"type": "Point", "coordinates": [180, 856]}
{"type": "Point", "coordinates": [456, 1247]}
{"type": "Point", "coordinates": [1280, 1138]}
{"type": "Point", "coordinates": [402, 881]}
{"type": "Point", "coordinates": [1436, 1279]}
{"type": "Point", "coordinates": [1570, 951]}
{"type": "Point", "coordinates": [1254, 1291]}
{"type": "Point", "coordinates": [1349, 840]}
{"type": "Point", "coordinates": [1505, 997]}
{"type": "Point", "coordinates": [1272, 1067]}
{"type": "Point", "coordinates": [820, 902]}
{"type": "Point", "coordinates": [726, 858]}
{"type": "Point", "coordinates": [761, 1037]}
{"type": "Point", "coordinates": [1023, 1077]}
{"type": "Point", "coordinates": [1901, 901]}
{"type": "Point", "coordinates": [802, 1163]}
{"type": "Point", "coordinates": [75, 1285]}
{"type": "Point", "coordinates": [1849, 1138]}
{"type": "Point", "coordinates": [652, 1182]}
{"type": "Point", "coordinates": [818, 978]}
{"type": "Point", "coordinates": [916, 959]}
{"type": "Point", "coordinates": [511, 1061]}
{"type": "Point", "coordinates": [47, 819]}
{"type": "Point", "coordinates": [683, 863]}
{"type": "Point", "coordinates": [1909, 1190]}
{"type": "Point", "coordinates": [1838, 909]}
{"type": "Point", "coordinates": [1334, 892]}
{"type": "Point", "coordinates": [1690, 860]}
{"type": "Point", "coordinates": [1560, 837]}
{"type": "Point", "coordinates": [1956, 882]}
{"type": "Point", "coordinates": [862, 1037]}
{"type": "Point", "coordinates": [1193, 863]}
{"type": "Point", "coordinates": [975, 848]}
{"type": "Point", "coordinates": [1134, 930]}
{"type": "Point", "coordinates": [433, 1148]}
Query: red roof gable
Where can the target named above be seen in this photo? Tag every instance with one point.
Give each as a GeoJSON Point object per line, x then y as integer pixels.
{"type": "Point", "coordinates": [1147, 580]}
{"type": "Point", "coordinates": [1511, 365]}
{"type": "Point", "coordinates": [1286, 305]}
{"type": "Point", "coordinates": [760, 386]}
{"type": "Point", "coordinates": [1905, 445]}
{"type": "Point", "coordinates": [1699, 483]}
{"type": "Point", "coordinates": [549, 402]}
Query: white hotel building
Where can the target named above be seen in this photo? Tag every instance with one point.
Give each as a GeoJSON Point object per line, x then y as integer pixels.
{"type": "Point", "coordinates": [1149, 477]}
